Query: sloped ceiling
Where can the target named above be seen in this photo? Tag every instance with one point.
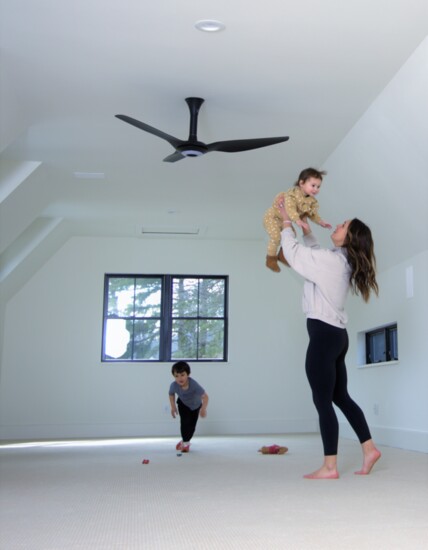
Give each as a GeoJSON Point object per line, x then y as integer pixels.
{"type": "Point", "coordinates": [308, 69]}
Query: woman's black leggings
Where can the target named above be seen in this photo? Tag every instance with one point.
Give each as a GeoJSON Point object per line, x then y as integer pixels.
{"type": "Point", "coordinates": [326, 372]}
{"type": "Point", "coordinates": [188, 420]}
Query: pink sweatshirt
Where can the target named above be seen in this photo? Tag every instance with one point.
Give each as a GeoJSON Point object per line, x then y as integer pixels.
{"type": "Point", "coordinates": [326, 273]}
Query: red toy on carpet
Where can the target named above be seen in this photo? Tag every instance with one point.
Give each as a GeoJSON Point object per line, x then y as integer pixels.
{"type": "Point", "coordinates": [273, 450]}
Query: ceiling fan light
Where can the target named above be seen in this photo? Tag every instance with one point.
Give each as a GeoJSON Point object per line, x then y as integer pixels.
{"type": "Point", "coordinates": [209, 25]}
{"type": "Point", "coordinates": [191, 153]}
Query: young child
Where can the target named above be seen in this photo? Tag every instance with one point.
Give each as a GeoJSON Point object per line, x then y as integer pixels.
{"type": "Point", "coordinates": [299, 201]}
{"type": "Point", "coordinates": [192, 402]}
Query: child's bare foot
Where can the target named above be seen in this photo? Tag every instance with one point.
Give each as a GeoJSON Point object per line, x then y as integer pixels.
{"type": "Point", "coordinates": [370, 459]}
{"type": "Point", "coordinates": [323, 473]}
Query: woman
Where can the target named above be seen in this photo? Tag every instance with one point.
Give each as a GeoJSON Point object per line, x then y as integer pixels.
{"type": "Point", "coordinates": [328, 276]}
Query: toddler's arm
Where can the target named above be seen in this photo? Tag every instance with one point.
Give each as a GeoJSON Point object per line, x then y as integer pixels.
{"type": "Point", "coordinates": [173, 406]}
{"type": "Point", "coordinates": [316, 218]}
{"type": "Point", "coordinates": [322, 223]}
{"type": "Point", "coordinates": [203, 410]}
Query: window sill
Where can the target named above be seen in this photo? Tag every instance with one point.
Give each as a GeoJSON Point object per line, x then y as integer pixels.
{"type": "Point", "coordinates": [382, 364]}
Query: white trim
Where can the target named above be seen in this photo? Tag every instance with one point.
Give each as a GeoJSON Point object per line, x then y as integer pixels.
{"type": "Point", "coordinates": [382, 364]}
{"type": "Point", "coordinates": [412, 440]}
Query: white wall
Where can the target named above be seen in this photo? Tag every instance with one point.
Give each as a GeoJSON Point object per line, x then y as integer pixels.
{"type": "Point", "coordinates": [398, 392]}
{"type": "Point", "coordinates": [53, 383]}
{"type": "Point", "coordinates": [380, 173]}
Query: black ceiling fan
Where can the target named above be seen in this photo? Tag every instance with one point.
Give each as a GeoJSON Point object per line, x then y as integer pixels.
{"type": "Point", "coordinates": [194, 148]}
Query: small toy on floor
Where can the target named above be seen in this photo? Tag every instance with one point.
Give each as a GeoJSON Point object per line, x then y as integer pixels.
{"type": "Point", "coordinates": [273, 450]}
{"type": "Point", "coordinates": [145, 461]}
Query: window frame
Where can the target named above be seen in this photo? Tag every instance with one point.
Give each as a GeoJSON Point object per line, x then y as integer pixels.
{"type": "Point", "coordinates": [387, 347]}
{"type": "Point", "coordinates": [166, 317]}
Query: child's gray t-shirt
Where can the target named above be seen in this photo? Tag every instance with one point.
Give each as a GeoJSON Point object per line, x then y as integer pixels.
{"type": "Point", "coordinates": [190, 397]}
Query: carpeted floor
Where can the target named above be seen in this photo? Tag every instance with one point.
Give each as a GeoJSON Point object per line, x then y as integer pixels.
{"type": "Point", "coordinates": [97, 495]}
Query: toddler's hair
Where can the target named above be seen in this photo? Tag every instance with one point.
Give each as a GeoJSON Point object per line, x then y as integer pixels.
{"type": "Point", "coordinates": [179, 367]}
{"type": "Point", "coordinates": [310, 173]}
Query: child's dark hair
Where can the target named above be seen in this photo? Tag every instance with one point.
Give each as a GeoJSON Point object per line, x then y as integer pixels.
{"type": "Point", "coordinates": [179, 367]}
{"type": "Point", "coordinates": [310, 173]}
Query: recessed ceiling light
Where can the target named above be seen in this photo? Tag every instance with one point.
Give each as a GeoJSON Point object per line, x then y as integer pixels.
{"type": "Point", "coordinates": [209, 25]}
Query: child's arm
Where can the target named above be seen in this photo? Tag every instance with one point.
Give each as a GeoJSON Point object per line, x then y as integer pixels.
{"type": "Point", "coordinates": [173, 406]}
{"type": "Point", "coordinates": [288, 202]}
{"type": "Point", "coordinates": [316, 218]}
{"type": "Point", "coordinates": [203, 410]}
{"type": "Point", "coordinates": [322, 223]}
{"type": "Point", "coordinates": [291, 206]}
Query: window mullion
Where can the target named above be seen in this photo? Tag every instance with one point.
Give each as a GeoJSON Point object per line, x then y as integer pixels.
{"type": "Point", "coordinates": [166, 320]}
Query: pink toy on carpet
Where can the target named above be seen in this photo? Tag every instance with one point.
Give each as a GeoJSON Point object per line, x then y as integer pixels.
{"type": "Point", "coordinates": [273, 450]}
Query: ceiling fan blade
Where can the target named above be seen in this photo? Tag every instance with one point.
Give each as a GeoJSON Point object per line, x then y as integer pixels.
{"type": "Point", "coordinates": [237, 145]}
{"type": "Point", "coordinates": [175, 142]}
{"type": "Point", "coordinates": [174, 157]}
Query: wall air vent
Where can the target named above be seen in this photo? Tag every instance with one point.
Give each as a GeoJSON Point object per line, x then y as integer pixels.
{"type": "Point", "coordinates": [89, 175]}
{"type": "Point", "coordinates": [167, 230]}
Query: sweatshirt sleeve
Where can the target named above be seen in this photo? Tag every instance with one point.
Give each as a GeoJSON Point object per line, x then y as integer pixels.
{"type": "Point", "coordinates": [310, 260]}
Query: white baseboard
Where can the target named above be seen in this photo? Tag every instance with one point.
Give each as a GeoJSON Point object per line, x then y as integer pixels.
{"type": "Point", "coordinates": [167, 428]}
{"type": "Point", "coordinates": [412, 440]}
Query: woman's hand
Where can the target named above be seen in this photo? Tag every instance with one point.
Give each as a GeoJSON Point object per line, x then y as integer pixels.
{"type": "Point", "coordinates": [302, 224]}
{"type": "Point", "coordinates": [305, 227]}
{"type": "Point", "coordinates": [282, 210]}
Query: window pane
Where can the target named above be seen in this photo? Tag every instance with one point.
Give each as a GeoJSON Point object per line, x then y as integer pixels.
{"type": "Point", "coordinates": [211, 298]}
{"type": "Point", "coordinates": [146, 339]}
{"type": "Point", "coordinates": [393, 343]}
{"type": "Point", "coordinates": [116, 340]}
{"type": "Point", "coordinates": [211, 339]}
{"type": "Point", "coordinates": [192, 339]}
{"type": "Point", "coordinates": [185, 297]}
{"type": "Point", "coordinates": [184, 339]}
{"type": "Point", "coordinates": [377, 347]}
{"type": "Point", "coordinates": [148, 293]}
{"type": "Point", "coordinates": [198, 297]}
{"type": "Point", "coordinates": [121, 297]}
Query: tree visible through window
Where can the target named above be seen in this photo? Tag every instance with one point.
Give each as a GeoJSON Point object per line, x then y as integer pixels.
{"type": "Point", "coordinates": [165, 317]}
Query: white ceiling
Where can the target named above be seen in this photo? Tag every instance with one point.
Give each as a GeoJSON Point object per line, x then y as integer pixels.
{"type": "Point", "coordinates": [304, 68]}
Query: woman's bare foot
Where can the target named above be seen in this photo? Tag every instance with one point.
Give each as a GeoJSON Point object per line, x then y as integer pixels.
{"type": "Point", "coordinates": [323, 473]}
{"type": "Point", "coordinates": [370, 459]}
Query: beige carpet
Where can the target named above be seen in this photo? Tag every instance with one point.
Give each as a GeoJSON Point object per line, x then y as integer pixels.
{"type": "Point", "coordinates": [222, 495]}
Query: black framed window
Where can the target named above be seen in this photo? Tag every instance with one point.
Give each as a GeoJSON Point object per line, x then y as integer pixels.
{"type": "Point", "coordinates": [382, 345]}
{"type": "Point", "coordinates": [165, 318]}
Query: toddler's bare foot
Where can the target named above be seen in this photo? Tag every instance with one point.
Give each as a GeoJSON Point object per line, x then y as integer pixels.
{"type": "Point", "coordinates": [370, 459]}
{"type": "Point", "coordinates": [323, 473]}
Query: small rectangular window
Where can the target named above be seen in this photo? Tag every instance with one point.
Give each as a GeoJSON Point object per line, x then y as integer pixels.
{"type": "Point", "coordinates": [382, 345]}
{"type": "Point", "coordinates": [165, 318]}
